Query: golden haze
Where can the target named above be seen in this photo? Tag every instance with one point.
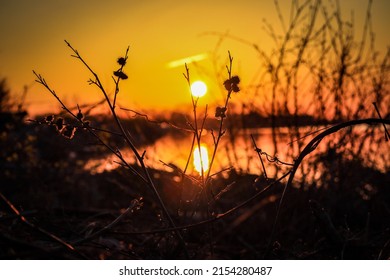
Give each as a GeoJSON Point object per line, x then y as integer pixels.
{"type": "Point", "coordinates": [158, 33]}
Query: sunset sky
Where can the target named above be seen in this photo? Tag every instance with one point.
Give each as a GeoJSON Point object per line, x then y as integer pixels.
{"type": "Point", "coordinates": [158, 33]}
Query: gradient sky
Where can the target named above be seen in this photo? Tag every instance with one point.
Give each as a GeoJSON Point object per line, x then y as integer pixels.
{"type": "Point", "coordinates": [158, 32]}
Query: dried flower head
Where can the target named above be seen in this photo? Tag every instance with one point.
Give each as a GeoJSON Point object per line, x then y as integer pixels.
{"type": "Point", "coordinates": [220, 112]}
{"type": "Point", "coordinates": [235, 88]}
{"type": "Point", "coordinates": [80, 115]}
{"type": "Point", "coordinates": [121, 61]}
{"type": "Point", "coordinates": [232, 84]}
{"type": "Point", "coordinates": [228, 85]}
{"type": "Point", "coordinates": [120, 75]}
{"type": "Point", "coordinates": [235, 80]}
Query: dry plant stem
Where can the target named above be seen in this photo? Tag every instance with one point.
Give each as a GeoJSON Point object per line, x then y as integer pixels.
{"type": "Point", "coordinates": [310, 147]}
{"type": "Point", "coordinates": [197, 136]}
{"type": "Point", "coordinates": [181, 172]}
{"type": "Point", "coordinates": [198, 141]}
{"type": "Point", "coordinates": [43, 82]}
{"type": "Point", "coordinates": [319, 45]}
{"type": "Point", "coordinates": [116, 81]}
{"type": "Point", "coordinates": [307, 135]}
{"type": "Point", "coordinates": [77, 126]}
{"type": "Point", "coordinates": [89, 107]}
{"type": "Point", "coordinates": [278, 68]}
{"type": "Point", "coordinates": [222, 171]}
{"type": "Point", "coordinates": [134, 203]}
{"type": "Point", "coordinates": [190, 154]}
{"type": "Point", "coordinates": [387, 135]}
{"type": "Point", "coordinates": [23, 213]}
{"type": "Point", "coordinates": [112, 109]}
{"type": "Point", "coordinates": [140, 158]}
{"type": "Point", "coordinates": [148, 119]}
{"type": "Point", "coordinates": [261, 160]}
{"type": "Point", "coordinates": [196, 130]}
{"type": "Point", "coordinates": [41, 230]}
{"type": "Point", "coordinates": [217, 217]}
{"type": "Point", "coordinates": [221, 132]}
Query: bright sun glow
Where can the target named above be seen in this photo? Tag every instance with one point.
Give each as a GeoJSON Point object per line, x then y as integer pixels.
{"type": "Point", "coordinates": [201, 159]}
{"type": "Point", "coordinates": [198, 89]}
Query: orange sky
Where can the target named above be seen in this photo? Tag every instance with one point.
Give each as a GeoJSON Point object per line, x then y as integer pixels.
{"type": "Point", "coordinates": [158, 32]}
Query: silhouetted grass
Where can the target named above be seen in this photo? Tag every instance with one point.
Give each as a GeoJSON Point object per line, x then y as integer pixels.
{"type": "Point", "coordinates": [327, 199]}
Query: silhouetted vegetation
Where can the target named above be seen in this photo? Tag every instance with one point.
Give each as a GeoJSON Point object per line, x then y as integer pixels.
{"type": "Point", "coordinates": [328, 197]}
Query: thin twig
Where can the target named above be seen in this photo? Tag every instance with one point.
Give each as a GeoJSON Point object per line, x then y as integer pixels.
{"type": "Point", "coordinates": [222, 117]}
{"type": "Point", "coordinates": [387, 135]}
{"type": "Point", "coordinates": [260, 158]}
{"type": "Point", "coordinates": [148, 119]}
{"type": "Point", "coordinates": [86, 125]}
{"type": "Point", "coordinates": [214, 219]}
{"type": "Point", "coordinates": [117, 80]}
{"type": "Point", "coordinates": [134, 204]}
{"type": "Point", "coordinates": [310, 147]}
{"type": "Point", "coordinates": [140, 159]}
{"type": "Point", "coordinates": [38, 228]}
{"type": "Point", "coordinates": [181, 172]}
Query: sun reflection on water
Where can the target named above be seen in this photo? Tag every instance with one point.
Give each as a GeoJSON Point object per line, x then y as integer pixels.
{"type": "Point", "coordinates": [201, 159]}
{"type": "Point", "coordinates": [240, 155]}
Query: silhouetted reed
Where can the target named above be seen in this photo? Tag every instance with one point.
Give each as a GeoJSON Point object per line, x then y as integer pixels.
{"type": "Point", "coordinates": [320, 88]}
{"type": "Point", "coordinates": [68, 130]}
{"type": "Point", "coordinates": [318, 67]}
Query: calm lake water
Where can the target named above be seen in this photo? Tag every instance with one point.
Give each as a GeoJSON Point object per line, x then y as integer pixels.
{"type": "Point", "coordinates": [237, 150]}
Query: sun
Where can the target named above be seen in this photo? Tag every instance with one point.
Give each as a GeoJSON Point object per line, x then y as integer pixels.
{"type": "Point", "coordinates": [198, 89]}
